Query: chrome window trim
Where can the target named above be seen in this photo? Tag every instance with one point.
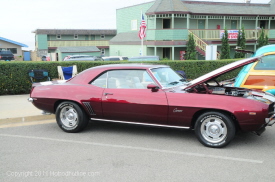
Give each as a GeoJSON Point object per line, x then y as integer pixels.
{"type": "Point", "coordinates": [107, 77]}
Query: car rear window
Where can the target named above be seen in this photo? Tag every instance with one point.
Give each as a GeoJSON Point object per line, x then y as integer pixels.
{"type": "Point", "coordinates": [267, 63]}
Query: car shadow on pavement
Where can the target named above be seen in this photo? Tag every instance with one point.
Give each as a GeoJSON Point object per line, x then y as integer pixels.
{"type": "Point", "coordinates": [244, 139]}
{"type": "Point", "coordinates": [138, 130]}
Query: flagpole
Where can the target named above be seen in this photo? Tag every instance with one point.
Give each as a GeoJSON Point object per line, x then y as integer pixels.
{"type": "Point", "coordinates": [142, 47]}
{"type": "Point", "coordinates": [142, 33]}
{"type": "Point", "coordinates": [141, 52]}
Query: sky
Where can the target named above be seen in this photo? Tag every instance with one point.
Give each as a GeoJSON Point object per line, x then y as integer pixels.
{"type": "Point", "coordinates": [20, 17]}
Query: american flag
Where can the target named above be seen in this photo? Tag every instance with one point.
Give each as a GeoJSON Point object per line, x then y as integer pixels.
{"type": "Point", "coordinates": [142, 28]}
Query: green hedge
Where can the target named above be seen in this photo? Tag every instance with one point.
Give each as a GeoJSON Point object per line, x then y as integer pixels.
{"type": "Point", "coordinates": [14, 77]}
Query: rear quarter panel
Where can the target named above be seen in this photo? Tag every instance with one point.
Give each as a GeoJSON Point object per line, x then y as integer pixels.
{"type": "Point", "coordinates": [47, 96]}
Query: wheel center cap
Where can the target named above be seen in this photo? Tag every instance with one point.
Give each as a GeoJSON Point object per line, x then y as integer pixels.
{"type": "Point", "coordinates": [70, 116]}
{"type": "Point", "coordinates": [214, 129]}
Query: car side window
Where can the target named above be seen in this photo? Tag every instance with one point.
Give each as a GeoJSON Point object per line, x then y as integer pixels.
{"type": "Point", "coordinates": [128, 79]}
{"type": "Point", "coordinates": [100, 81]}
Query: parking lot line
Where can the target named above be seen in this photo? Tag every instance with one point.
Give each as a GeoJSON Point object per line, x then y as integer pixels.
{"type": "Point", "coordinates": [140, 149]}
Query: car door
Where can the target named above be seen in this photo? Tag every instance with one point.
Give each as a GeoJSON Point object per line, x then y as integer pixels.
{"type": "Point", "coordinates": [127, 98]}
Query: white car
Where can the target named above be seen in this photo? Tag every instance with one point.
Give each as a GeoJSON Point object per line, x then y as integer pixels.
{"type": "Point", "coordinates": [115, 58]}
{"type": "Point", "coordinates": [80, 58]}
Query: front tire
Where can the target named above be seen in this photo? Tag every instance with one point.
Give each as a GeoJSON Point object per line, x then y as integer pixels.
{"type": "Point", "coordinates": [215, 129]}
{"type": "Point", "coordinates": [70, 117]}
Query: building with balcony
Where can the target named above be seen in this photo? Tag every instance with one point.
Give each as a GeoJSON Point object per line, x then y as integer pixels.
{"type": "Point", "coordinates": [169, 22]}
{"type": "Point", "coordinates": [62, 42]}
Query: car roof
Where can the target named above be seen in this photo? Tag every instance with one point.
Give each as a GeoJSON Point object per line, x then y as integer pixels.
{"type": "Point", "coordinates": [5, 51]}
{"type": "Point", "coordinates": [128, 66]}
{"type": "Point", "coordinates": [264, 49]}
{"type": "Point", "coordinates": [85, 76]}
{"type": "Point", "coordinates": [145, 57]}
{"type": "Point", "coordinates": [113, 56]}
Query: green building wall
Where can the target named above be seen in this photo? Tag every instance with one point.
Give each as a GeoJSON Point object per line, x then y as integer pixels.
{"type": "Point", "coordinates": [167, 34]}
{"type": "Point", "coordinates": [127, 50]}
{"type": "Point", "coordinates": [42, 41]}
{"type": "Point", "coordinates": [124, 16]}
{"type": "Point", "coordinates": [180, 23]}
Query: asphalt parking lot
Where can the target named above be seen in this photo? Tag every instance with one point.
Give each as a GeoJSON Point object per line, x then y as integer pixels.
{"type": "Point", "coordinates": [34, 148]}
{"type": "Point", "coordinates": [41, 151]}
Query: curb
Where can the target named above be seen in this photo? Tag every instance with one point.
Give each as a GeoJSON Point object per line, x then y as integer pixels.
{"type": "Point", "coordinates": [26, 119]}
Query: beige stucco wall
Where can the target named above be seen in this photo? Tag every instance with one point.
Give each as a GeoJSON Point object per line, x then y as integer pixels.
{"type": "Point", "coordinates": [34, 56]}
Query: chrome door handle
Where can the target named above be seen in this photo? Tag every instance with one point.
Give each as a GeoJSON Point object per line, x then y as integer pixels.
{"type": "Point", "coordinates": [108, 94]}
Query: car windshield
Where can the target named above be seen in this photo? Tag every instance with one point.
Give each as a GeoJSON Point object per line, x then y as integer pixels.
{"type": "Point", "coordinates": [267, 63]}
{"type": "Point", "coordinates": [168, 77]}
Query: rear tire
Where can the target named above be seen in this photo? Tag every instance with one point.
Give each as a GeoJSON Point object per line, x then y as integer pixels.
{"type": "Point", "coordinates": [70, 117]}
{"type": "Point", "coordinates": [215, 129]}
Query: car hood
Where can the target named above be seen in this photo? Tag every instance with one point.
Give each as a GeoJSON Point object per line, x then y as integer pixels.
{"type": "Point", "coordinates": [220, 71]}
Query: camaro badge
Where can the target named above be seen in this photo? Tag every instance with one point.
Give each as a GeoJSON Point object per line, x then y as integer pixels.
{"type": "Point", "coordinates": [176, 110]}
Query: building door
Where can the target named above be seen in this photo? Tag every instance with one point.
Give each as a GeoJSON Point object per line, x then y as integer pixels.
{"type": "Point", "coordinates": [27, 56]}
{"type": "Point", "coordinates": [233, 24]}
{"type": "Point", "coordinates": [166, 52]}
{"type": "Point", "coordinates": [201, 24]}
{"type": "Point", "coordinates": [166, 23]}
{"type": "Point", "coordinates": [262, 24]}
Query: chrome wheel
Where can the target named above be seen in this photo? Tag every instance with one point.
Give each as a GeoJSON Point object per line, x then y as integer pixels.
{"type": "Point", "coordinates": [213, 130]}
{"type": "Point", "coordinates": [69, 117]}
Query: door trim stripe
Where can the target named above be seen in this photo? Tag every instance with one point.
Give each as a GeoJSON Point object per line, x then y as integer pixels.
{"type": "Point", "coordinates": [137, 123]}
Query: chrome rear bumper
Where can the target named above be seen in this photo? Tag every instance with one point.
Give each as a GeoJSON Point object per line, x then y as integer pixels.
{"type": "Point", "coordinates": [30, 99]}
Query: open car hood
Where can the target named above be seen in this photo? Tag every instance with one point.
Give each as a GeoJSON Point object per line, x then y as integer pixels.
{"type": "Point", "coordinates": [221, 70]}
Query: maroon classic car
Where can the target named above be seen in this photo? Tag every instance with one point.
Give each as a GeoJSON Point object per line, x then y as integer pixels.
{"type": "Point", "coordinates": [156, 95]}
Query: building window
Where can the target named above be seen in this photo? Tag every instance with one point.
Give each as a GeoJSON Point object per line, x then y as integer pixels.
{"type": "Point", "coordinates": [75, 36]}
{"type": "Point", "coordinates": [58, 36]}
{"type": "Point", "coordinates": [102, 36]}
{"type": "Point", "coordinates": [102, 52]}
{"type": "Point", "coordinates": [13, 50]}
{"type": "Point", "coordinates": [134, 25]}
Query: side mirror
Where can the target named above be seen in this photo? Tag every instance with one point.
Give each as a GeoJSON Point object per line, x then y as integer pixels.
{"type": "Point", "coordinates": [153, 87]}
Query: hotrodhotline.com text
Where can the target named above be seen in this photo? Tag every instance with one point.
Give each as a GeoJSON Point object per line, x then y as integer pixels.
{"type": "Point", "coordinates": [26, 174]}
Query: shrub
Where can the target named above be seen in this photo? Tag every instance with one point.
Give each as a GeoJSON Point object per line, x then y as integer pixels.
{"type": "Point", "coordinates": [14, 77]}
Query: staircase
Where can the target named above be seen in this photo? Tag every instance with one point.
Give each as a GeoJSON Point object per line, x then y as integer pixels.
{"type": "Point", "coordinates": [201, 45]}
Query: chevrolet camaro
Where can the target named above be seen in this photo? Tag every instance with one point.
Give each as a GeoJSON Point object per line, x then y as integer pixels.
{"type": "Point", "coordinates": [155, 95]}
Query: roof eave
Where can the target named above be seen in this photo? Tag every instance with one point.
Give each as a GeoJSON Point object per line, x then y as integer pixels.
{"type": "Point", "coordinates": [168, 12]}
